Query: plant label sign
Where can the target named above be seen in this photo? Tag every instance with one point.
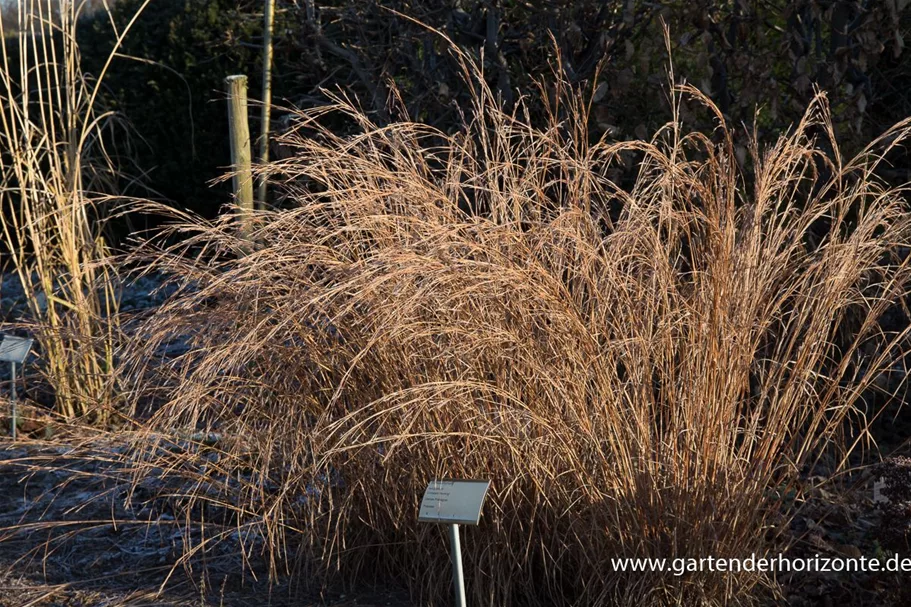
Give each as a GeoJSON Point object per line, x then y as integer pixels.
{"type": "Point", "coordinates": [14, 349]}
{"type": "Point", "coordinates": [456, 502]}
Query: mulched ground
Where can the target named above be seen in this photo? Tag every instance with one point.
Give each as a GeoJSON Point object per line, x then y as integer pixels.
{"type": "Point", "coordinates": [66, 540]}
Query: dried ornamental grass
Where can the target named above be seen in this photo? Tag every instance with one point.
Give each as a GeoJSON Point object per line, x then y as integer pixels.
{"type": "Point", "coordinates": [56, 180]}
{"type": "Point", "coordinates": [633, 368]}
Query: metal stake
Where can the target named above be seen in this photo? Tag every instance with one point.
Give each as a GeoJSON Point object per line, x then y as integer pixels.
{"type": "Point", "coordinates": [458, 578]}
{"type": "Point", "coordinates": [13, 400]}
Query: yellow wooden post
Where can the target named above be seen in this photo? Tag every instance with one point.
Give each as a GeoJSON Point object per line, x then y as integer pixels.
{"type": "Point", "coordinates": [239, 131]}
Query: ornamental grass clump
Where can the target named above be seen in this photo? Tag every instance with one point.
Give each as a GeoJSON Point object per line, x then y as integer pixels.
{"type": "Point", "coordinates": [642, 369]}
{"type": "Point", "coordinates": [58, 176]}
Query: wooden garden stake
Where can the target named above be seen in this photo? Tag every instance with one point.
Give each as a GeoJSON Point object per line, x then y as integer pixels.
{"type": "Point", "coordinates": [239, 131]}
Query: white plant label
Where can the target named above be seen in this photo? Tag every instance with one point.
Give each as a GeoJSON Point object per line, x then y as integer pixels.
{"type": "Point", "coordinates": [453, 501]}
{"type": "Point", "coordinates": [14, 349]}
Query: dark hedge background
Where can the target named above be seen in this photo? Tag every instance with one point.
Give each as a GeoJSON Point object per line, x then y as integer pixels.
{"type": "Point", "coordinates": [744, 53]}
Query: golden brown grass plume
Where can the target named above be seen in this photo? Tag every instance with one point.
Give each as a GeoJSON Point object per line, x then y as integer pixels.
{"type": "Point", "coordinates": [642, 371]}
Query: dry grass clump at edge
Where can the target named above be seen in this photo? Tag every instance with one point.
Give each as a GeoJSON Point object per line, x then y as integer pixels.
{"type": "Point", "coordinates": [58, 176]}
{"type": "Point", "coordinates": [637, 370]}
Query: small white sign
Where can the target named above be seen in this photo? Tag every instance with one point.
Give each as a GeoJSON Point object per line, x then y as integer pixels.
{"type": "Point", "coordinates": [14, 349]}
{"type": "Point", "coordinates": [453, 501]}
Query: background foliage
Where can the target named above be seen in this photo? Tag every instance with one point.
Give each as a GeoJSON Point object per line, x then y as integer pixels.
{"type": "Point", "coordinates": [745, 54]}
{"type": "Point", "coordinates": [169, 82]}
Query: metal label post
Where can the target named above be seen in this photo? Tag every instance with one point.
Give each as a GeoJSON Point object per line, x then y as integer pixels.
{"type": "Point", "coordinates": [454, 502]}
{"type": "Point", "coordinates": [14, 350]}
{"type": "Point", "coordinates": [458, 577]}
